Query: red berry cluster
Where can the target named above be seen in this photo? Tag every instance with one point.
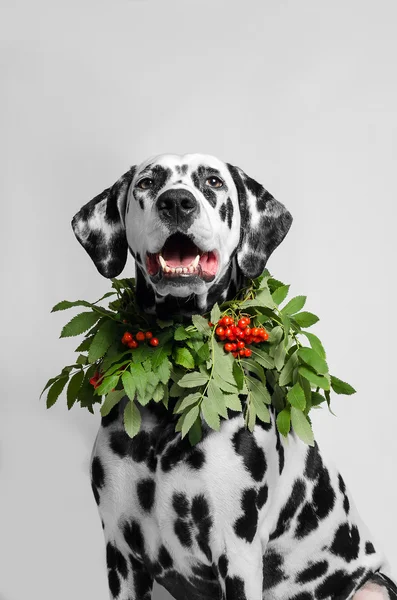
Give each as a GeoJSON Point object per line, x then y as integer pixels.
{"type": "Point", "coordinates": [240, 335]}
{"type": "Point", "coordinates": [141, 336]}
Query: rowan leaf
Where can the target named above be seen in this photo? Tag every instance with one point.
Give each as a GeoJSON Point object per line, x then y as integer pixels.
{"type": "Point", "coordinates": [341, 387]}
{"type": "Point", "coordinates": [79, 324]}
{"type": "Point", "coordinates": [102, 340]}
{"type": "Point", "coordinates": [294, 305]}
{"type": "Point", "coordinates": [280, 294]}
{"type": "Point", "coordinates": [217, 398]}
{"type": "Point", "coordinates": [183, 357]}
{"type": "Point", "coordinates": [194, 379]}
{"type": "Point", "coordinates": [301, 426]}
{"type": "Point", "coordinates": [296, 397]}
{"type": "Point", "coordinates": [201, 324]}
{"type": "Point", "coordinates": [181, 334]}
{"type": "Point", "coordinates": [55, 390]}
{"type": "Point", "coordinates": [189, 419]}
{"type": "Point", "coordinates": [73, 388]}
{"type": "Point", "coordinates": [111, 399]}
{"type": "Point", "coordinates": [209, 413]}
{"type": "Point", "coordinates": [314, 360]}
{"type": "Point", "coordinates": [287, 370]}
{"type": "Point", "coordinates": [283, 421]}
{"type": "Point", "coordinates": [233, 402]}
{"type": "Point", "coordinates": [306, 319]}
{"type": "Point", "coordinates": [132, 419]}
{"type": "Point", "coordinates": [195, 432]}
{"type": "Point", "coordinates": [215, 314]}
{"type": "Point", "coordinates": [317, 380]}
{"type": "Point", "coordinates": [129, 384]}
{"type": "Point", "coordinates": [315, 344]}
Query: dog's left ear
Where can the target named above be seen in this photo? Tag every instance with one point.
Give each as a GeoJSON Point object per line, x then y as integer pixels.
{"type": "Point", "coordinates": [264, 223]}
{"type": "Point", "coordinates": [99, 227]}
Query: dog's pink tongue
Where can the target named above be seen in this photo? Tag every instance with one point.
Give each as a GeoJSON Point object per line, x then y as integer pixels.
{"type": "Point", "coordinates": [175, 258]}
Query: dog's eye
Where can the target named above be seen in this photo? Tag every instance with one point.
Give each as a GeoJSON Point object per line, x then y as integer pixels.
{"type": "Point", "coordinates": [146, 183]}
{"type": "Point", "coordinates": [214, 182]}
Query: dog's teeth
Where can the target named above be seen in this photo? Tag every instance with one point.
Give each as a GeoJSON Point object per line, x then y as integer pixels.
{"type": "Point", "coordinates": [196, 261]}
{"type": "Point", "coordinates": [179, 270]}
{"type": "Point", "coordinates": [162, 262]}
{"type": "Point", "coordinates": [171, 269]}
{"type": "Point", "coordinates": [191, 269]}
{"type": "Point", "coordinates": [185, 270]}
{"type": "Point", "coordinates": [166, 269]}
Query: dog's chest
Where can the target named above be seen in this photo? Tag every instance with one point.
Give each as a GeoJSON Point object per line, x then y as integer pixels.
{"type": "Point", "coordinates": [179, 509]}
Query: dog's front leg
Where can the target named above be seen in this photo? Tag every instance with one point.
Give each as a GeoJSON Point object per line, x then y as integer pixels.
{"type": "Point", "coordinates": [240, 569]}
{"type": "Point", "coordinates": [128, 577]}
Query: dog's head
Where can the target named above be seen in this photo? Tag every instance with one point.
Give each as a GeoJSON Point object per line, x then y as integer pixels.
{"type": "Point", "coordinates": [193, 224]}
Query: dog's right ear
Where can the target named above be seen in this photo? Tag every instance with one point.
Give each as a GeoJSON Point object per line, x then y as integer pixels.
{"type": "Point", "coordinates": [99, 227]}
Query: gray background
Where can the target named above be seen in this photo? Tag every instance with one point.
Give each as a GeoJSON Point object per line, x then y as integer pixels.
{"type": "Point", "coordinates": [303, 96]}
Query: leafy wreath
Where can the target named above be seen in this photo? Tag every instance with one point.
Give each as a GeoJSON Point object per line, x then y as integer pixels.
{"type": "Point", "coordinates": [244, 355]}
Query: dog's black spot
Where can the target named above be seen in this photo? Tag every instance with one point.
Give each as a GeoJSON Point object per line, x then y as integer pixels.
{"type": "Point", "coordinates": [141, 203]}
{"type": "Point", "coordinates": [314, 463]}
{"type": "Point", "coordinates": [223, 211]}
{"type": "Point", "coordinates": [338, 585]}
{"type": "Point", "coordinates": [273, 574]}
{"type": "Point", "coordinates": [98, 477]}
{"type": "Point", "coordinates": [180, 504]}
{"type": "Point", "coordinates": [369, 548]}
{"type": "Point", "coordinates": [280, 450]}
{"type": "Point", "coordinates": [203, 571]}
{"type": "Point", "coordinates": [146, 490]}
{"type": "Point", "coordinates": [114, 583]}
{"type": "Point", "coordinates": [115, 560]}
{"type": "Point", "coordinates": [346, 542]}
{"type": "Point", "coordinates": [143, 583]}
{"type": "Point", "coordinates": [194, 588]}
{"type": "Point", "coordinates": [140, 446]}
{"type": "Point", "coordinates": [152, 460]}
{"type": "Point", "coordinates": [222, 565]}
{"type": "Point", "coordinates": [314, 571]}
{"type": "Point", "coordinates": [323, 495]}
{"type": "Point", "coordinates": [200, 509]}
{"type": "Point", "coordinates": [201, 517]}
{"type": "Point", "coordinates": [245, 526]}
{"type": "Point", "coordinates": [119, 443]}
{"type": "Point", "coordinates": [307, 521]}
{"type": "Point", "coordinates": [302, 596]}
{"type": "Point", "coordinates": [342, 485]}
{"type": "Point", "coordinates": [235, 588]}
{"type": "Point", "coordinates": [175, 453]}
{"type": "Point", "coordinates": [263, 493]}
{"type": "Point", "coordinates": [182, 531]}
{"type": "Point", "coordinates": [133, 536]}
{"type": "Point", "coordinates": [346, 504]}
{"type": "Point", "coordinates": [165, 558]}
{"type": "Point", "coordinates": [199, 177]}
{"type": "Point", "coordinates": [253, 456]}
{"type": "Point", "coordinates": [229, 212]}
{"type": "Point", "coordinates": [96, 494]}
{"type": "Point", "coordinates": [290, 508]}
{"type": "Point", "coordinates": [195, 458]}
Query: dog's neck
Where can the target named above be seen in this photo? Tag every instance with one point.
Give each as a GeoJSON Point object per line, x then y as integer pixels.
{"type": "Point", "coordinates": [166, 306]}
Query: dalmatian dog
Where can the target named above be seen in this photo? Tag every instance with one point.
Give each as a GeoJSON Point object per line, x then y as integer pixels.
{"type": "Point", "coordinates": [241, 515]}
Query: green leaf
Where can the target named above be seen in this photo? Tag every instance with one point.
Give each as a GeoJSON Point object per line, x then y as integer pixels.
{"type": "Point", "coordinates": [85, 344]}
{"type": "Point", "coordinates": [317, 380]}
{"type": "Point", "coordinates": [79, 324]}
{"type": "Point", "coordinates": [238, 375]}
{"type": "Point", "coordinates": [262, 358]}
{"type": "Point", "coordinates": [263, 299]}
{"type": "Point", "coordinates": [251, 417]}
{"type": "Point", "coordinates": [210, 415]}
{"type": "Point", "coordinates": [296, 397]}
{"type": "Point", "coordinates": [294, 305]}
{"type": "Point", "coordinates": [176, 391]}
{"type": "Point", "coordinates": [189, 419]}
{"type": "Point", "coordinates": [314, 360]}
{"type": "Point", "coordinates": [233, 402]}
{"type": "Point", "coordinates": [107, 384]}
{"type": "Point", "coordinates": [279, 356]}
{"type": "Point", "coordinates": [284, 421]}
{"type": "Point", "coordinates": [201, 324]}
{"type": "Point", "coordinates": [276, 335]}
{"type": "Point", "coordinates": [164, 371]}
{"type": "Point", "coordinates": [341, 387]}
{"type": "Point", "coordinates": [317, 399]}
{"type": "Point", "coordinates": [73, 388]}
{"type": "Point", "coordinates": [278, 398]}
{"type": "Point", "coordinates": [132, 419]}
{"type": "Point", "coordinates": [225, 385]}
{"type": "Point", "coordinates": [306, 319]}
{"type": "Point", "coordinates": [158, 356]}
{"type": "Point", "coordinates": [287, 370]}
{"type": "Point", "coordinates": [315, 344]}
{"type": "Point", "coordinates": [111, 399]}
{"type": "Point", "coordinates": [187, 401]}
{"type": "Point", "coordinates": [194, 379]}
{"type": "Point", "coordinates": [50, 382]}
{"type": "Point", "coordinates": [252, 367]}
{"type": "Point", "coordinates": [102, 341]}
{"type": "Point", "coordinates": [258, 390]}
{"type": "Point", "coordinates": [65, 304]}
{"type": "Point", "coordinates": [55, 390]}
{"type": "Point", "coordinates": [195, 432]}
{"type": "Point", "coordinates": [287, 326]}
{"type": "Point", "coordinates": [301, 426]}
{"type": "Point", "coordinates": [280, 294]}
{"type": "Point", "coordinates": [183, 357]}
{"type": "Point", "coordinates": [164, 323]}
{"type": "Point", "coordinates": [158, 393]}
{"type": "Point", "coordinates": [140, 378]}
{"type": "Point", "coordinates": [217, 398]}
{"type": "Point", "coordinates": [215, 314]}
{"type": "Point", "coordinates": [129, 384]}
{"type": "Point", "coordinates": [180, 334]}
{"type": "Point", "coordinates": [204, 352]}
{"type": "Point", "coordinates": [81, 359]}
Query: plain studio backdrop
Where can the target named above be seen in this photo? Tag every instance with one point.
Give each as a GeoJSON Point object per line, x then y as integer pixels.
{"type": "Point", "coordinates": [301, 95]}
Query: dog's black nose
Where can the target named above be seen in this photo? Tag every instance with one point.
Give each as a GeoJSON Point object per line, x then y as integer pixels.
{"type": "Point", "coordinates": [178, 206]}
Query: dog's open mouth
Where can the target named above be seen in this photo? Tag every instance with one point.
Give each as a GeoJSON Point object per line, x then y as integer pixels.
{"type": "Point", "coordinates": [180, 257]}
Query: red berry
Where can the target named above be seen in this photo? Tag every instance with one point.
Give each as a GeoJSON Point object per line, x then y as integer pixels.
{"type": "Point", "coordinates": [242, 323]}
{"type": "Point", "coordinates": [140, 336]}
{"type": "Point", "coordinates": [222, 337]}
{"type": "Point", "coordinates": [234, 347]}
{"type": "Point", "coordinates": [235, 354]}
{"type": "Point", "coordinates": [247, 352]}
{"type": "Point", "coordinates": [154, 341]}
{"type": "Point", "coordinates": [242, 352]}
{"type": "Point", "coordinates": [265, 336]}
{"type": "Point", "coordinates": [231, 336]}
{"type": "Point", "coordinates": [228, 347]}
{"type": "Point", "coordinates": [133, 344]}
{"type": "Point", "coordinates": [148, 335]}
{"type": "Point", "coordinates": [254, 332]}
{"type": "Point", "coordinates": [210, 324]}
{"type": "Point", "coordinates": [248, 340]}
{"type": "Point", "coordinates": [257, 340]}
{"type": "Point", "coordinates": [127, 337]}
{"type": "Point", "coordinates": [247, 332]}
{"type": "Point", "coordinates": [219, 331]}
{"type": "Point", "coordinates": [125, 321]}
{"type": "Point", "coordinates": [240, 345]}
{"type": "Point", "coordinates": [93, 381]}
{"type": "Point", "coordinates": [228, 320]}
{"type": "Point", "coordinates": [228, 332]}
